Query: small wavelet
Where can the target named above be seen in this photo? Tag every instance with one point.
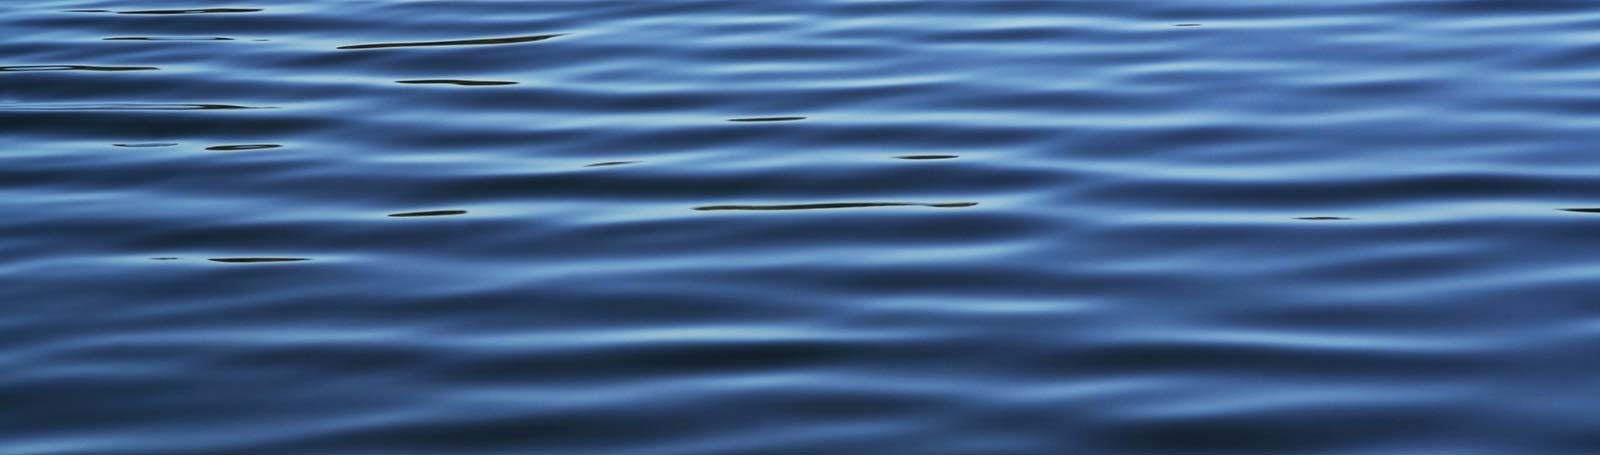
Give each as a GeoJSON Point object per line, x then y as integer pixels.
{"type": "Point", "coordinates": [610, 163]}
{"type": "Point", "coordinates": [167, 38]}
{"type": "Point", "coordinates": [27, 68]}
{"type": "Point", "coordinates": [832, 205]}
{"type": "Point", "coordinates": [147, 145]}
{"type": "Point", "coordinates": [927, 157]}
{"type": "Point", "coordinates": [465, 82]}
{"type": "Point", "coordinates": [187, 11]}
{"type": "Point", "coordinates": [1323, 218]}
{"type": "Point", "coordinates": [249, 260]}
{"type": "Point", "coordinates": [125, 107]}
{"type": "Point", "coordinates": [164, 258]}
{"type": "Point", "coordinates": [238, 147]}
{"type": "Point", "coordinates": [428, 213]}
{"type": "Point", "coordinates": [766, 119]}
{"type": "Point", "coordinates": [1185, 25]}
{"type": "Point", "coordinates": [464, 42]}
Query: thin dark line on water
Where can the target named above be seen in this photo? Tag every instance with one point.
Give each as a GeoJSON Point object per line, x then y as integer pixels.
{"type": "Point", "coordinates": [927, 157]}
{"type": "Point", "coordinates": [464, 42]}
{"type": "Point", "coordinates": [237, 147]}
{"type": "Point", "coordinates": [1582, 210]}
{"type": "Point", "coordinates": [125, 107]}
{"type": "Point", "coordinates": [192, 11]}
{"type": "Point", "coordinates": [86, 11]}
{"type": "Point", "coordinates": [832, 205]}
{"type": "Point", "coordinates": [428, 213]}
{"type": "Point", "coordinates": [610, 163]}
{"type": "Point", "coordinates": [1323, 218]}
{"type": "Point", "coordinates": [255, 260]}
{"type": "Point", "coordinates": [766, 119]}
{"type": "Point", "coordinates": [164, 258]}
{"type": "Point", "coordinates": [27, 68]}
{"type": "Point", "coordinates": [465, 82]}
{"type": "Point", "coordinates": [158, 38]}
{"type": "Point", "coordinates": [1186, 25]}
{"type": "Point", "coordinates": [147, 145]}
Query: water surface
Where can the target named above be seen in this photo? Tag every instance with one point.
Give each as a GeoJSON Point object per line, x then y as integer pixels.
{"type": "Point", "coordinates": [682, 227]}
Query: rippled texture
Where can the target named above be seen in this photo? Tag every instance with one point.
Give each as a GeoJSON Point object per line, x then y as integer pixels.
{"type": "Point", "coordinates": [467, 227]}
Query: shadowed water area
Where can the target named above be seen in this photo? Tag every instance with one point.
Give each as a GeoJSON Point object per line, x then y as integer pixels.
{"type": "Point", "coordinates": [796, 227]}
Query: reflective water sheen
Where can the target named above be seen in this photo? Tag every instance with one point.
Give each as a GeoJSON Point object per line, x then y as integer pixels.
{"type": "Point", "coordinates": [679, 227]}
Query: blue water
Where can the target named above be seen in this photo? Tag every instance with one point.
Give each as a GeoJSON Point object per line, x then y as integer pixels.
{"type": "Point", "coordinates": [661, 227]}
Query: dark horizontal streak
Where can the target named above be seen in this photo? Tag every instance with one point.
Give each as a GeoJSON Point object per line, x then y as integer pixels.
{"type": "Point", "coordinates": [1582, 210]}
{"type": "Point", "coordinates": [610, 163]}
{"type": "Point", "coordinates": [465, 42]}
{"type": "Point", "coordinates": [926, 157]}
{"type": "Point", "coordinates": [1322, 218]}
{"type": "Point", "coordinates": [125, 107]}
{"type": "Point", "coordinates": [25, 68]}
{"type": "Point", "coordinates": [832, 205]}
{"type": "Point", "coordinates": [251, 260]}
{"type": "Point", "coordinates": [193, 11]}
{"type": "Point", "coordinates": [429, 213]}
{"type": "Point", "coordinates": [156, 38]}
{"type": "Point", "coordinates": [226, 148]}
{"type": "Point", "coordinates": [455, 82]}
{"type": "Point", "coordinates": [766, 119]}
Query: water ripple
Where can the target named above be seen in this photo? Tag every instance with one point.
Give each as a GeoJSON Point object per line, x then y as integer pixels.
{"type": "Point", "coordinates": [166, 38]}
{"type": "Point", "coordinates": [766, 119]}
{"type": "Point", "coordinates": [833, 205]}
{"type": "Point", "coordinates": [428, 213]}
{"type": "Point", "coordinates": [185, 11]}
{"type": "Point", "coordinates": [29, 68]}
{"type": "Point", "coordinates": [462, 42]}
{"type": "Point", "coordinates": [256, 260]}
{"type": "Point", "coordinates": [124, 107]}
{"type": "Point", "coordinates": [238, 147]}
{"type": "Point", "coordinates": [811, 226]}
{"type": "Point", "coordinates": [463, 82]}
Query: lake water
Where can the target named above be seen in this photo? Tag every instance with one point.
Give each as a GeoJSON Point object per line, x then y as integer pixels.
{"type": "Point", "coordinates": [663, 227]}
